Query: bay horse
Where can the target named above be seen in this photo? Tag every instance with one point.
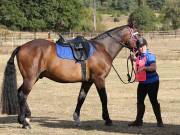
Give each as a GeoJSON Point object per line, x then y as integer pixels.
{"type": "Point", "coordinates": [37, 59]}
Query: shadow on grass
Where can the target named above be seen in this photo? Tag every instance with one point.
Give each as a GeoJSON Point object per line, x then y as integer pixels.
{"type": "Point", "coordinates": [98, 125]}
{"type": "Point", "coordinates": [8, 119]}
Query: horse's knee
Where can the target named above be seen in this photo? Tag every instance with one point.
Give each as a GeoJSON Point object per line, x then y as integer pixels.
{"type": "Point", "coordinates": [82, 94]}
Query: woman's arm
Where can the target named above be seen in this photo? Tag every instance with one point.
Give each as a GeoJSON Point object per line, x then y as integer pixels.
{"type": "Point", "coordinates": [151, 68]}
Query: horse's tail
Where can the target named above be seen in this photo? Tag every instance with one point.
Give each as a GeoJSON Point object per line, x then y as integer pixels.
{"type": "Point", "coordinates": [9, 100]}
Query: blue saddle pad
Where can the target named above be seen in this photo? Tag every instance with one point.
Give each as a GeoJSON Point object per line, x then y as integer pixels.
{"type": "Point", "coordinates": [65, 52]}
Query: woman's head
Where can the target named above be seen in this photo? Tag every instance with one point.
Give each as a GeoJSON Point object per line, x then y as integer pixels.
{"type": "Point", "coordinates": [141, 45]}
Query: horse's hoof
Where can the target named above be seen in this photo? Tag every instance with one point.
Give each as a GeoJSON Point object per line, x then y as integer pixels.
{"type": "Point", "coordinates": [26, 124]}
{"type": "Point", "coordinates": [27, 121]}
{"type": "Point", "coordinates": [108, 123]}
{"type": "Point", "coordinates": [26, 127]}
{"type": "Point", "coordinates": [76, 119]}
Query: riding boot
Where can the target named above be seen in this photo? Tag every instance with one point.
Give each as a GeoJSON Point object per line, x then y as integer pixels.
{"type": "Point", "coordinates": [139, 116]}
{"type": "Point", "coordinates": [157, 112]}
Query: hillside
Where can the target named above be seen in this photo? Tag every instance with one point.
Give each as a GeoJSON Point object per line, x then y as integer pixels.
{"type": "Point", "coordinates": [108, 21]}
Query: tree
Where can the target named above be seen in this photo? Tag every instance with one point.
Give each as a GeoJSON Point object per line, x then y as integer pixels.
{"type": "Point", "coordinates": [156, 4]}
{"type": "Point", "coordinates": [141, 2]}
{"type": "Point", "coordinates": [10, 14]}
{"type": "Point", "coordinates": [36, 15]}
{"type": "Point", "coordinates": [142, 18]}
{"type": "Point", "coordinates": [171, 15]}
{"type": "Point", "coordinates": [124, 5]}
{"type": "Point", "coordinates": [33, 14]}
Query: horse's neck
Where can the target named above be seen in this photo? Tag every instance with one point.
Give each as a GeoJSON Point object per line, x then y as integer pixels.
{"type": "Point", "coordinates": [110, 45]}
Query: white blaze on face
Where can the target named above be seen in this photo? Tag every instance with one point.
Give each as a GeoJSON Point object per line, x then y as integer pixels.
{"type": "Point", "coordinates": [135, 33]}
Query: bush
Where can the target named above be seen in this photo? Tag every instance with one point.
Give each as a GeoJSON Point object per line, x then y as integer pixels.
{"type": "Point", "coordinates": [38, 15]}
{"type": "Point", "coordinates": [171, 18]}
{"type": "Point", "coordinates": [143, 18]}
{"type": "Point", "coordinates": [86, 21]}
{"type": "Point", "coordinates": [156, 4]}
{"type": "Point", "coordinates": [116, 19]}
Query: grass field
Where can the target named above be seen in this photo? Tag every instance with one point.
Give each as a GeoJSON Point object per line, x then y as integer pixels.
{"type": "Point", "coordinates": [52, 104]}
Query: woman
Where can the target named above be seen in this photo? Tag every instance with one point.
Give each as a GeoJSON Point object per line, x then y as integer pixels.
{"type": "Point", "coordinates": [148, 80]}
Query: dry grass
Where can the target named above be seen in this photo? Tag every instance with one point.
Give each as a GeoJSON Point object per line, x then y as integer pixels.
{"type": "Point", "coordinates": [52, 104]}
{"type": "Point", "coordinates": [108, 21]}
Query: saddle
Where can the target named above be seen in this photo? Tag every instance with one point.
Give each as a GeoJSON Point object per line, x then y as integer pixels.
{"type": "Point", "coordinates": [80, 47]}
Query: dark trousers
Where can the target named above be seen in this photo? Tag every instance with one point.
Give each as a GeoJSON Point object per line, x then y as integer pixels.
{"type": "Point", "coordinates": [150, 89]}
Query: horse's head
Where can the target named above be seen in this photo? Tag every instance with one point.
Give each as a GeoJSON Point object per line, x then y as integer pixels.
{"type": "Point", "coordinates": [129, 38]}
{"type": "Point", "coordinates": [125, 36]}
{"type": "Point", "coordinates": [115, 39]}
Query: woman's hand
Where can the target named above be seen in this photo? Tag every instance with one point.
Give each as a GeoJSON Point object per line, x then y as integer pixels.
{"type": "Point", "coordinates": [152, 67]}
{"type": "Point", "coordinates": [140, 69]}
{"type": "Point", "coordinates": [132, 57]}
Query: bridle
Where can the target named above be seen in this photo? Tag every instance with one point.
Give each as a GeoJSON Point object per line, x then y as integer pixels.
{"type": "Point", "coordinates": [129, 75]}
{"type": "Point", "coordinates": [128, 46]}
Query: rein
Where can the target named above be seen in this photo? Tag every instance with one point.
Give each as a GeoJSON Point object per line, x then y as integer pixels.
{"type": "Point", "coordinates": [129, 75]}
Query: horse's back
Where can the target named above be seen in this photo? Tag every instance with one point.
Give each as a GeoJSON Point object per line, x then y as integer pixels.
{"type": "Point", "coordinates": [36, 44]}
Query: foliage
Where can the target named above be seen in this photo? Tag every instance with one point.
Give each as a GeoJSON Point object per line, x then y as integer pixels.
{"type": "Point", "coordinates": [143, 18]}
{"type": "Point", "coordinates": [124, 5]}
{"type": "Point", "coordinates": [155, 4]}
{"type": "Point", "coordinates": [86, 16]}
{"type": "Point", "coordinates": [116, 19]}
{"type": "Point", "coordinates": [171, 18]}
{"type": "Point", "coordinates": [11, 15]}
{"type": "Point", "coordinates": [77, 15]}
{"type": "Point", "coordinates": [40, 14]}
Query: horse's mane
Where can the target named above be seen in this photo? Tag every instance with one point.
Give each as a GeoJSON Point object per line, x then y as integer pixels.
{"type": "Point", "coordinates": [104, 34]}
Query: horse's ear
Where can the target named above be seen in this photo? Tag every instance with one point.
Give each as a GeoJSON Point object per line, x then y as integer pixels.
{"type": "Point", "coordinates": [131, 23]}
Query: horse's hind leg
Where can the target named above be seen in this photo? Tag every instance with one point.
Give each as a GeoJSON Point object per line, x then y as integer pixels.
{"type": "Point", "coordinates": [25, 112]}
{"type": "Point", "coordinates": [82, 95]}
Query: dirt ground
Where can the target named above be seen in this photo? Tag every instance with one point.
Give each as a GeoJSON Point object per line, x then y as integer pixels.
{"type": "Point", "coordinates": [52, 104]}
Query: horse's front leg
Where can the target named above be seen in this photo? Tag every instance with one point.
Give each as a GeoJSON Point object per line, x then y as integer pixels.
{"type": "Point", "coordinates": [82, 95]}
{"type": "Point", "coordinates": [100, 85]}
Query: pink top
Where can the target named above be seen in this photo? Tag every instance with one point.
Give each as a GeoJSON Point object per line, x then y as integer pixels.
{"type": "Point", "coordinates": [140, 62]}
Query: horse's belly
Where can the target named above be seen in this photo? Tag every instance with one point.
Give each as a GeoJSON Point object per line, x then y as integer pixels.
{"type": "Point", "coordinates": [71, 76]}
{"type": "Point", "coordinates": [65, 71]}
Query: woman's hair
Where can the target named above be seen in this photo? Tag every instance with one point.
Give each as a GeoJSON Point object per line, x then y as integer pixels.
{"type": "Point", "coordinates": [141, 42]}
